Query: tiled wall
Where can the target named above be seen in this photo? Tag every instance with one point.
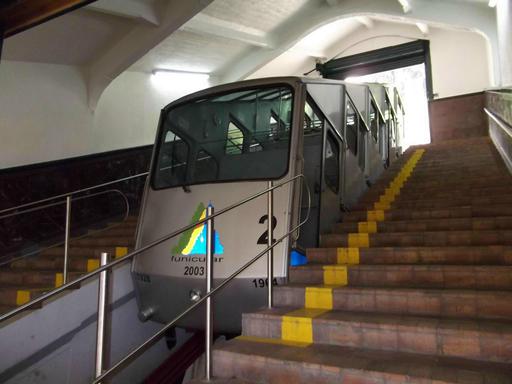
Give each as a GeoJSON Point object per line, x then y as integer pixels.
{"type": "Point", "coordinates": [457, 117]}
{"type": "Point", "coordinates": [26, 184]}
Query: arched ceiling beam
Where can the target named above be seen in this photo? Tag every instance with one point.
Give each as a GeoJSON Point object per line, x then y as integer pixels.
{"type": "Point", "coordinates": [315, 13]}
{"type": "Point", "coordinates": [136, 43]}
{"type": "Point", "coordinates": [211, 26]}
{"type": "Point", "coordinates": [127, 8]}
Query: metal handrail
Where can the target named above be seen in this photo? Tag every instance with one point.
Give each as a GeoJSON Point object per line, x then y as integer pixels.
{"type": "Point", "coordinates": [14, 211]}
{"type": "Point", "coordinates": [154, 243]}
{"type": "Point", "coordinates": [148, 343]}
{"type": "Point", "coordinates": [71, 193]}
{"type": "Point", "coordinates": [502, 123]}
{"type": "Point", "coordinates": [126, 214]}
{"type": "Point", "coordinates": [64, 202]}
{"type": "Point", "coordinates": [153, 339]}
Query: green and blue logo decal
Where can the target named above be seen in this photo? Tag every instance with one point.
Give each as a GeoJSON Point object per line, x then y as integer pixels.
{"type": "Point", "coordinates": [193, 241]}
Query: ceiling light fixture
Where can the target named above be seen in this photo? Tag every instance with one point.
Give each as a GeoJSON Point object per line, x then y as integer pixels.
{"type": "Point", "coordinates": [492, 3]}
{"type": "Point", "coordinates": [167, 80]}
{"type": "Point", "coordinates": [171, 73]}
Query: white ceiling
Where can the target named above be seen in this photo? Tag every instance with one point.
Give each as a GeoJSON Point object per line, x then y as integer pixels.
{"type": "Point", "coordinates": [189, 51]}
{"type": "Point", "coordinates": [228, 38]}
{"type": "Point", "coordinates": [264, 15]}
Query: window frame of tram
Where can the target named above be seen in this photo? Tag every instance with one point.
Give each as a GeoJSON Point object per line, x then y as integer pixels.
{"type": "Point", "coordinates": [332, 162]}
{"type": "Point", "coordinates": [374, 121]}
{"type": "Point", "coordinates": [238, 120]}
{"type": "Point", "coordinates": [354, 148]}
{"type": "Point", "coordinates": [360, 132]}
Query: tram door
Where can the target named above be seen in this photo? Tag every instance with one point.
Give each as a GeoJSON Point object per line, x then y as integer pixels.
{"type": "Point", "coordinates": [322, 169]}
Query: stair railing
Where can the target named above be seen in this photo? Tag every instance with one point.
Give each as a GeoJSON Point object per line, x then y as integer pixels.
{"type": "Point", "coordinates": [67, 199]}
{"type": "Point", "coordinates": [209, 219]}
{"type": "Point", "coordinates": [502, 142]}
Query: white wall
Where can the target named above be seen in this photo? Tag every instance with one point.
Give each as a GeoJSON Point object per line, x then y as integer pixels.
{"type": "Point", "coordinates": [461, 62]}
{"type": "Point", "coordinates": [44, 114]}
{"type": "Point", "coordinates": [504, 26]}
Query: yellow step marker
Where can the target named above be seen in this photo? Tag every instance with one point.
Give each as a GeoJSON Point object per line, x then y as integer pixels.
{"type": "Point", "coordinates": [381, 206]}
{"type": "Point", "coordinates": [358, 240]}
{"type": "Point", "coordinates": [393, 190]}
{"type": "Point", "coordinates": [297, 325]}
{"type": "Point", "coordinates": [59, 279]}
{"type": "Point", "coordinates": [377, 215]}
{"type": "Point", "coordinates": [386, 199]}
{"type": "Point", "coordinates": [367, 227]}
{"type": "Point", "coordinates": [347, 255]}
{"type": "Point", "coordinates": [92, 264]}
{"type": "Point", "coordinates": [318, 298]}
{"type": "Point", "coordinates": [335, 275]}
{"type": "Point", "coordinates": [22, 297]}
{"type": "Point", "coordinates": [121, 251]}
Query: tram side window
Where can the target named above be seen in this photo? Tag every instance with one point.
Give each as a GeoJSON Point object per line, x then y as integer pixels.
{"type": "Point", "coordinates": [352, 123]}
{"type": "Point", "coordinates": [235, 140]}
{"type": "Point", "coordinates": [332, 163]}
{"type": "Point", "coordinates": [312, 122]}
{"type": "Point", "coordinates": [172, 158]}
{"type": "Point", "coordinates": [374, 121]}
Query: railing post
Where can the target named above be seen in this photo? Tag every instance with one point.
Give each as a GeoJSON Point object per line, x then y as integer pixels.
{"type": "Point", "coordinates": [210, 241]}
{"type": "Point", "coordinates": [102, 307]}
{"type": "Point", "coordinates": [270, 232]}
{"type": "Point", "coordinates": [66, 239]}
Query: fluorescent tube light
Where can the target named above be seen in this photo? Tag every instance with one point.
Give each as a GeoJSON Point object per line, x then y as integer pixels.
{"type": "Point", "coordinates": [174, 74]}
{"type": "Point", "coordinates": [166, 80]}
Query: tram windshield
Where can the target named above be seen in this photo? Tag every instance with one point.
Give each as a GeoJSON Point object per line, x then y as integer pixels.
{"type": "Point", "coordinates": [243, 135]}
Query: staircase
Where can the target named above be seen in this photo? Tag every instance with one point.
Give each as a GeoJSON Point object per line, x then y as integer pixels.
{"type": "Point", "coordinates": [25, 279]}
{"type": "Point", "coordinates": [414, 286]}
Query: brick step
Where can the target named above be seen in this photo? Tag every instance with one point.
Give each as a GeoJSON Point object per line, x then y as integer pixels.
{"type": "Point", "coordinates": [29, 278]}
{"type": "Point", "coordinates": [470, 164]}
{"type": "Point", "coordinates": [428, 182]}
{"type": "Point", "coordinates": [450, 183]}
{"type": "Point", "coordinates": [446, 303]}
{"type": "Point", "coordinates": [439, 213]}
{"type": "Point", "coordinates": [489, 255]}
{"type": "Point", "coordinates": [484, 340]}
{"type": "Point", "coordinates": [480, 163]}
{"type": "Point", "coordinates": [418, 239]}
{"type": "Point", "coordinates": [458, 224]}
{"type": "Point", "coordinates": [271, 363]}
{"type": "Point", "coordinates": [453, 201]}
{"type": "Point", "coordinates": [419, 174]}
{"type": "Point", "coordinates": [112, 241]}
{"type": "Point", "coordinates": [10, 295]}
{"type": "Point", "coordinates": [412, 276]}
{"type": "Point", "coordinates": [417, 194]}
{"type": "Point", "coordinates": [214, 380]}
{"type": "Point", "coordinates": [77, 251]}
{"type": "Point", "coordinates": [6, 308]}
{"type": "Point", "coordinates": [75, 262]}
